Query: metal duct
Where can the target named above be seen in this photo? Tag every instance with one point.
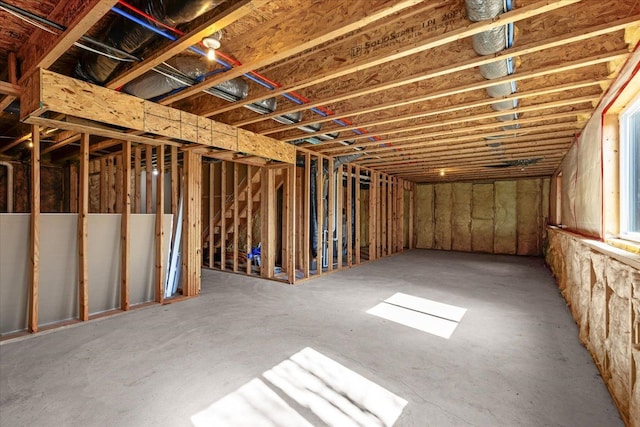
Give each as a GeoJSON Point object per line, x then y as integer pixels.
{"type": "Point", "coordinates": [482, 10]}
{"type": "Point", "coordinates": [497, 69]}
{"type": "Point", "coordinates": [490, 41]}
{"type": "Point", "coordinates": [153, 84]}
{"type": "Point", "coordinates": [502, 89]}
{"type": "Point", "coordinates": [130, 37]}
{"type": "Point", "coordinates": [507, 104]}
{"type": "Point", "coordinates": [264, 106]}
{"type": "Point", "coordinates": [232, 90]}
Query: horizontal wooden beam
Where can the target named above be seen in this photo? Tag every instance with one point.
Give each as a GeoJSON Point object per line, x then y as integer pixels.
{"type": "Point", "coordinates": [316, 73]}
{"type": "Point", "coordinates": [286, 36]}
{"type": "Point", "coordinates": [533, 47]}
{"type": "Point", "coordinates": [48, 91]}
{"type": "Point", "coordinates": [10, 89]}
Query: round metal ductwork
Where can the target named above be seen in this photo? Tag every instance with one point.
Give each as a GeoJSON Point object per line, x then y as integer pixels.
{"type": "Point", "coordinates": [507, 104]}
{"type": "Point", "coordinates": [490, 41]}
{"type": "Point", "coordinates": [497, 69]}
{"type": "Point", "coordinates": [482, 10]}
{"type": "Point", "coordinates": [501, 90]}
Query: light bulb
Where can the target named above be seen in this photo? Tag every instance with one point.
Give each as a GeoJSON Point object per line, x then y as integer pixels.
{"type": "Point", "coordinates": [441, 172]}
{"type": "Point", "coordinates": [211, 54]}
{"type": "Point", "coordinates": [155, 171]}
{"type": "Point", "coordinates": [30, 144]}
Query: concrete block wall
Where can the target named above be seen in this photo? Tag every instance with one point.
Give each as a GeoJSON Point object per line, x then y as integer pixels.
{"type": "Point", "coordinates": [603, 294]}
{"type": "Point", "coordinates": [505, 217]}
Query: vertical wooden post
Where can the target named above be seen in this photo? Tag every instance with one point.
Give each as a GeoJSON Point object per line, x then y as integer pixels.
{"type": "Point", "coordinates": [236, 216]}
{"type": "Point", "coordinates": [291, 232]}
{"type": "Point", "coordinates": [299, 203]}
{"type": "Point", "coordinates": [357, 202]}
{"type": "Point", "coordinates": [331, 216]}
{"type": "Point", "coordinates": [73, 187]}
{"type": "Point", "coordinates": [340, 220]}
{"type": "Point", "coordinates": [307, 213]}
{"type": "Point", "coordinates": [320, 209]}
{"type": "Point", "coordinates": [223, 215]}
{"type": "Point", "coordinates": [349, 215]}
{"type": "Point", "coordinates": [174, 182]}
{"type": "Point", "coordinates": [372, 215]}
{"type": "Point", "coordinates": [212, 226]}
{"type": "Point", "coordinates": [111, 177]}
{"type": "Point", "coordinates": [125, 232]}
{"type": "Point", "coordinates": [391, 215]}
{"type": "Point", "coordinates": [191, 237]}
{"type": "Point", "coordinates": [149, 175]}
{"type": "Point", "coordinates": [34, 226]}
{"type": "Point", "coordinates": [118, 184]}
{"type": "Point", "coordinates": [160, 260]}
{"type": "Point", "coordinates": [83, 234]}
{"type": "Point", "coordinates": [12, 68]}
{"type": "Point", "coordinates": [267, 216]}
{"type": "Point", "coordinates": [104, 185]}
{"type": "Point", "coordinates": [383, 217]}
{"type": "Point", "coordinates": [249, 215]}
{"type": "Point", "coordinates": [137, 166]}
{"type": "Point", "coordinates": [411, 214]}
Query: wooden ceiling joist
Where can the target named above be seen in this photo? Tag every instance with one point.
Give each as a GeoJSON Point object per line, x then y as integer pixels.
{"type": "Point", "coordinates": [286, 37]}
{"type": "Point", "coordinates": [45, 49]}
{"type": "Point", "coordinates": [538, 46]}
{"type": "Point", "coordinates": [317, 72]}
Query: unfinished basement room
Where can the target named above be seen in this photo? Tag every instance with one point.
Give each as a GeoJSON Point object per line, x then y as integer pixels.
{"type": "Point", "coordinates": [335, 213]}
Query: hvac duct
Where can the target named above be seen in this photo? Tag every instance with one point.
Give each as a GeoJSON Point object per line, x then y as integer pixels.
{"type": "Point", "coordinates": [153, 84]}
{"type": "Point", "coordinates": [130, 37]}
{"type": "Point", "coordinates": [490, 41]}
{"type": "Point", "coordinates": [482, 10]}
{"type": "Point", "coordinates": [502, 89]}
{"type": "Point", "coordinates": [497, 69]}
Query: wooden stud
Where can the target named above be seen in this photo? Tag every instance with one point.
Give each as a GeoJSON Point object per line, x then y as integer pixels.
{"type": "Point", "coordinates": [125, 231]}
{"type": "Point", "coordinates": [236, 216]}
{"type": "Point", "coordinates": [372, 215]}
{"type": "Point", "coordinates": [191, 236]}
{"type": "Point", "coordinates": [34, 225]}
{"type": "Point", "coordinates": [412, 202]}
{"type": "Point", "coordinates": [349, 215]}
{"type": "Point", "coordinates": [212, 226]}
{"type": "Point", "coordinates": [331, 216]}
{"type": "Point", "coordinates": [307, 214]}
{"type": "Point", "coordinates": [74, 187]}
{"type": "Point", "coordinates": [383, 215]}
{"type": "Point", "coordinates": [160, 260]}
{"type": "Point", "coordinates": [299, 199]}
{"type": "Point", "coordinates": [149, 179]}
{"type": "Point", "coordinates": [356, 190]}
{"type": "Point", "coordinates": [341, 220]}
{"type": "Point", "coordinates": [118, 183]}
{"type": "Point", "coordinates": [223, 215]}
{"type": "Point", "coordinates": [83, 234]}
{"type": "Point", "coordinates": [290, 213]}
{"type": "Point", "coordinates": [104, 185]}
{"type": "Point", "coordinates": [137, 162]}
{"type": "Point", "coordinates": [268, 226]}
{"type": "Point", "coordinates": [111, 184]}
{"type": "Point", "coordinates": [249, 216]}
{"type": "Point", "coordinates": [174, 182]}
{"type": "Point", "coordinates": [320, 211]}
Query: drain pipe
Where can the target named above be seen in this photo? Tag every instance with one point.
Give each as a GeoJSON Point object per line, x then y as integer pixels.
{"type": "Point", "coordinates": [9, 167]}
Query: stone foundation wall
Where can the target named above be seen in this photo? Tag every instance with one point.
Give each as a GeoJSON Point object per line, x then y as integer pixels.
{"type": "Point", "coordinates": [603, 293]}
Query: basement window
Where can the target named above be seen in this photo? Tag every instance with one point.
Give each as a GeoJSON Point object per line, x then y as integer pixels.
{"type": "Point", "coordinates": [630, 172]}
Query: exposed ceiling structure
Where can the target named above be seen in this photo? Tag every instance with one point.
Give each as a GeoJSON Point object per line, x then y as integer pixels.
{"type": "Point", "coordinates": [425, 90]}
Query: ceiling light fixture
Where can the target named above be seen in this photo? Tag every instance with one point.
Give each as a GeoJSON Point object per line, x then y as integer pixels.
{"type": "Point", "coordinates": [441, 172]}
{"type": "Point", "coordinates": [212, 43]}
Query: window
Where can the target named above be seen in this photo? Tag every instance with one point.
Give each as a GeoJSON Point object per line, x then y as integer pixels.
{"type": "Point", "coordinates": [630, 172]}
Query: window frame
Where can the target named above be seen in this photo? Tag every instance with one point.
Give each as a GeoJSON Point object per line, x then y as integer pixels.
{"type": "Point", "coordinates": [632, 109]}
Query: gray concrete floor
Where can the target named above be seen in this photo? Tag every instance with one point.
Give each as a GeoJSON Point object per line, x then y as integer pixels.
{"type": "Point", "coordinates": [514, 359]}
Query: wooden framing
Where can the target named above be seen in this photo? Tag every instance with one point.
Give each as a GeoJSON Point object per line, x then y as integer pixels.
{"type": "Point", "coordinates": [83, 234]}
{"type": "Point", "coordinates": [191, 236]}
{"type": "Point", "coordinates": [49, 91]}
{"type": "Point", "coordinates": [331, 213]}
{"type": "Point", "coordinates": [159, 230]}
{"type": "Point", "coordinates": [289, 201]}
{"type": "Point", "coordinates": [341, 215]}
{"type": "Point", "coordinates": [349, 216]}
{"type": "Point", "coordinates": [236, 216]}
{"type": "Point", "coordinates": [34, 232]}
{"type": "Point", "coordinates": [223, 216]}
{"type": "Point", "coordinates": [125, 231]}
{"type": "Point", "coordinates": [320, 212]}
{"type": "Point", "coordinates": [212, 211]}
{"type": "Point", "coordinates": [357, 219]}
{"type": "Point", "coordinates": [307, 213]}
{"type": "Point", "coordinates": [249, 217]}
{"type": "Point", "coordinates": [268, 223]}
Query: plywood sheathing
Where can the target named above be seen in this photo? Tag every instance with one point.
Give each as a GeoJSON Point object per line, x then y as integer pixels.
{"type": "Point", "coordinates": [498, 217]}
{"type": "Point", "coordinates": [602, 293]}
